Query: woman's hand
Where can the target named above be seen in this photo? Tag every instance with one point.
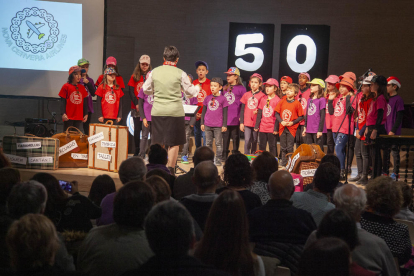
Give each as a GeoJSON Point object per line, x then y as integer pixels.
{"type": "Point", "coordinates": [318, 135]}
{"type": "Point", "coordinates": [242, 127]}
{"type": "Point", "coordinates": [101, 119]}
{"type": "Point", "coordinates": [223, 129]}
{"type": "Point", "coordinates": [118, 119]}
{"type": "Point", "coordinates": [145, 121]}
{"type": "Point", "coordinates": [75, 187]}
{"type": "Point", "coordinates": [65, 117]}
{"type": "Point", "coordinates": [85, 118]}
{"type": "Point", "coordinates": [202, 127]}
{"type": "Point", "coordinates": [304, 132]}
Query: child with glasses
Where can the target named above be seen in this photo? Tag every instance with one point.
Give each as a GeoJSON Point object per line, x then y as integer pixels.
{"type": "Point", "coordinates": [108, 97]}
{"type": "Point", "coordinates": [74, 105]}
{"type": "Point", "coordinates": [214, 118]}
{"type": "Point", "coordinates": [266, 122]}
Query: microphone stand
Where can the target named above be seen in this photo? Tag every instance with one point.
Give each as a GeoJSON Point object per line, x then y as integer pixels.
{"type": "Point", "coordinates": [350, 115]}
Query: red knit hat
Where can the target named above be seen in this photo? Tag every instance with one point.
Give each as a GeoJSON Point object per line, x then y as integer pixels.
{"type": "Point", "coordinates": [286, 79]}
{"type": "Point", "coordinates": [394, 80]}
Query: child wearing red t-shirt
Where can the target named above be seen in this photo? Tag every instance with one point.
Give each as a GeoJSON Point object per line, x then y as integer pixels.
{"type": "Point", "coordinates": [135, 83]}
{"type": "Point", "coordinates": [111, 63]}
{"type": "Point", "coordinates": [284, 82]}
{"type": "Point", "coordinates": [248, 113]}
{"type": "Point", "coordinates": [74, 106]}
{"type": "Point", "coordinates": [266, 122]}
{"type": "Point", "coordinates": [376, 118]}
{"type": "Point", "coordinates": [109, 95]}
{"type": "Point", "coordinates": [289, 114]}
{"type": "Point", "coordinates": [361, 150]}
{"type": "Point", "coordinates": [339, 107]}
{"type": "Point", "coordinates": [302, 97]}
{"type": "Point", "coordinates": [204, 83]}
{"type": "Point", "coordinates": [331, 89]}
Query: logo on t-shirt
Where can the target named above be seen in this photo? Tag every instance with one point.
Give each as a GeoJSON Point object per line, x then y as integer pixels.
{"type": "Point", "coordinates": [201, 96]}
{"type": "Point", "coordinates": [339, 109]}
{"type": "Point", "coordinates": [213, 105]}
{"type": "Point", "coordinates": [139, 86]}
{"type": "Point", "coordinates": [76, 97]}
{"type": "Point", "coordinates": [286, 115]}
{"type": "Point", "coordinates": [150, 99]}
{"type": "Point", "coordinates": [311, 109]}
{"type": "Point", "coordinates": [327, 111]}
{"type": "Point", "coordinates": [361, 116]}
{"type": "Point", "coordinates": [388, 110]}
{"type": "Point", "coordinates": [110, 97]}
{"type": "Point", "coordinates": [303, 102]}
{"type": "Point", "coordinates": [267, 111]}
{"type": "Point", "coordinates": [230, 97]}
{"type": "Point", "coordinates": [252, 103]}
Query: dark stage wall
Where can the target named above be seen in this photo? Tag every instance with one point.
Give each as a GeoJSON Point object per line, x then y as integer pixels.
{"type": "Point", "coordinates": [364, 34]}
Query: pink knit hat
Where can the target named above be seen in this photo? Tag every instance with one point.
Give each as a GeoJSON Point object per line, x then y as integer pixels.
{"type": "Point", "coordinates": [111, 61]}
{"type": "Point", "coordinates": [272, 81]}
{"type": "Point", "coordinates": [332, 79]}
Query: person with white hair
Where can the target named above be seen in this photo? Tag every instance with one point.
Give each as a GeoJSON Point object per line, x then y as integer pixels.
{"type": "Point", "coordinates": [372, 253]}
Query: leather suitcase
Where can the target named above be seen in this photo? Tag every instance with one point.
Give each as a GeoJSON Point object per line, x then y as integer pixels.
{"type": "Point", "coordinates": [304, 153]}
{"type": "Point", "coordinates": [31, 152]}
{"type": "Point", "coordinates": [108, 146]}
{"type": "Point", "coordinates": [73, 151]}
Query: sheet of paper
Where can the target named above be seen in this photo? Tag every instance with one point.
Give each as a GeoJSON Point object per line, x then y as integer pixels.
{"type": "Point", "coordinates": [190, 109]}
{"type": "Point", "coordinates": [41, 160]}
{"type": "Point", "coordinates": [68, 147]}
{"type": "Point", "coordinates": [29, 145]}
{"type": "Point", "coordinates": [96, 138]}
{"type": "Point", "coordinates": [79, 156]}
{"type": "Point", "coordinates": [108, 144]}
{"type": "Point", "coordinates": [104, 156]}
{"type": "Point", "coordinates": [16, 159]}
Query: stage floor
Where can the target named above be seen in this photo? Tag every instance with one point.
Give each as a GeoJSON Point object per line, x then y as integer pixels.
{"type": "Point", "coordinates": [85, 176]}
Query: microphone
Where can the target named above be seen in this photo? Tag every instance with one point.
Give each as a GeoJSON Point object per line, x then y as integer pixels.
{"type": "Point", "coordinates": [365, 74]}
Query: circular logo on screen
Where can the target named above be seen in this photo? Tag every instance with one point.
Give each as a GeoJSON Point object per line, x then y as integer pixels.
{"type": "Point", "coordinates": [34, 30]}
{"type": "Point", "coordinates": [267, 111]}
{"type": "Point", "coordinates": [201, 95]}
{"type": "Point", "coordinates": [286, 115]}
{"type": "Point", "coordinates": [388, 110]}
{"type": "Point", "coordinates": [213, 105]}
{"type": "Point", "coordinates": [252, 103]}
{"type": "Point", "coordinates": [76, 97]}
{"type": "Point", "coordinates": [150, 99]}
{"type": "Point", "coordinates": [230, 97]}
{"type": "Point", "coordinates": [311, 109]}
{"type": "Point", "coordinates": [339, 109]}
{"type": "Point", "coordinates": [110, 97]}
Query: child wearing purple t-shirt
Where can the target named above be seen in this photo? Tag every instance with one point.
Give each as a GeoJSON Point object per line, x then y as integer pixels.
{"type": "Point", "coordinates": [189, 124]}
{"type": "Point", "coordinates": [315, 114]}
{"type": "Point", "coordinates": [395, 113]}
{"type": "Point", "coordinates": [233, 91]}
{"type": "Point", "coordinates": [145, 103]}
{"type": "Point", "coordinates": [214, 118]}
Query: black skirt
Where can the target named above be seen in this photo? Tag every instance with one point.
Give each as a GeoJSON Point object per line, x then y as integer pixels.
{"type": "Point", "coordinates": [168, 131]}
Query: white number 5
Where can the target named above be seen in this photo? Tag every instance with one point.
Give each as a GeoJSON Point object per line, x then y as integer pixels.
{"type": "Point", "coordinates": [240, 50]}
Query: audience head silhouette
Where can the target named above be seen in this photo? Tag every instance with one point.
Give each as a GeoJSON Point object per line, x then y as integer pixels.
{"type": "Point", "coordinates": [26, 198]}
{"type": "Point", "coordinates": [326, 178]}
{"type": "Point", "coordinates": [206, 177]}
{"type": "Point", "coordinates": [281, 185]}
{"type": "Point", "coordinates": [203, 154]}
{"type": "Point", "coordinates": [132, 169]}
{"type": "Point", "coordinates": [351, 199]}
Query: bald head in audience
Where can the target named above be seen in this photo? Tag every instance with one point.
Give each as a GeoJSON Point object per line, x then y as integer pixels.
{"type": "Point", "coordinates": [281, 185]}
{"type": "Point", "coordinates": [351, 199]}
{"type": "Point", "coordinates": [206, 177]}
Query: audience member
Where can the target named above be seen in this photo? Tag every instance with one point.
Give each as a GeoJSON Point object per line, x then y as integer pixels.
{"type": "Point", "coordinates": [30, 198]}
{"type": "Point", "coordinates": [121, 246]}
{"type": "Point", "coordinates": [4, 161]}
{"type": "Point", "coordinates": [372, 253]}
{"type": "Point", "coordinates": [338, 224]}
{"type": "Point", "coordinates": [325, 257]}
{"type": "Point", "coordinates": [407, 193]}
{"type": "Point", "coordinates": [228, 212]}
{"type": "Point", "coordinates": [8, 178]}
{"type": "Point", "coordinates": [102, 186]}
{"type": "Point", "coordinates": [33, 244]}
{"type": "Point", "coordinates": [278, 228]}
{"type": "Point", "coordinates": [263, 166]}
{"type": "Point", "coordinates": [238, 175]}
{"type": "Point", "coordinates": [384, 201]}
{"type": "Point", "coordinates": [206, 179]}
{"type": "Point", "coordinates": [164, 175]}
{"type": "Point", "coordinates": [161, 188]}
{"type": "Point", "coordinates": [316, 201]}
{"type": "Point", "coordinates": [72, 213]}
{"type": "Point", "coordinates": [157, 158]}
{"type": "Point", "coordinates": [131, 169]}
{"type": "Point", "coordinates": [184, 185]}
{"type": "Point", "coordinates": [170, 233]}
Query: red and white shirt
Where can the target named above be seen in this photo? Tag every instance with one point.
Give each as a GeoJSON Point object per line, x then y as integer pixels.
{"type": "Point", "coordinates": [74, 95]}
{"type": "Point", "coordinates": [110, 100]}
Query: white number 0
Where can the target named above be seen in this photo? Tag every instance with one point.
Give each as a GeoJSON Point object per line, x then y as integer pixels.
{"type": "Point", "coordinates": [240, 50]}
{"type": "Point", "coordinates": [310, 53]}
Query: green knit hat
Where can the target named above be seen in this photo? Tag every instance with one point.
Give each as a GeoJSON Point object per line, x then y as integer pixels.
{"type": "Point", "coordinates": [83, 61]}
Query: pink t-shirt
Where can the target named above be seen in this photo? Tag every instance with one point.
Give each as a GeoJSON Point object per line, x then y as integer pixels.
{"type": "Point", "coordinates": [251, 104]}
{"type": "Point", "coordinates": [328, 117]}
{"type": "Point", "coordinates": [379, 103]}
{"type": "Point", "coordinates": [267, 123]}
{"type": "Point", "coordinates": [339, 105]}
{"type": "Point", "coordinates": [303, 97]}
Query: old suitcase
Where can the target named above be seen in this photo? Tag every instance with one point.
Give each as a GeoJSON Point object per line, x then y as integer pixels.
{"type": "Point", "coordinates": [31, 152]}
{"type": "Point", "coordinates": [108, 146]}
{"type": "Point", "coordinates": [73, 151]}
